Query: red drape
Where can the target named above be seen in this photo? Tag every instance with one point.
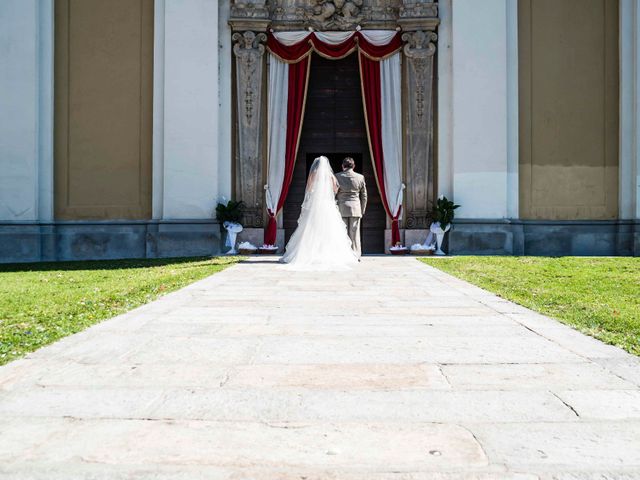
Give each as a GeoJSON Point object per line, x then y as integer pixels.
{"type": "Point", "coordinates": [297, 55]}
{"type": "Point", "coordinates": [297, 93]}
{"type": "Point", "coordinates": [296, 52]}
{"type": "Point", "coordinates": [371, 94]}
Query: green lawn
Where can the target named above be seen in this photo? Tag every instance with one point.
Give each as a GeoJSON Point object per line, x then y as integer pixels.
{"type": "Point", "coordinates": [40, 303]}
{"type": "Point", "coordinates": [598, 296]}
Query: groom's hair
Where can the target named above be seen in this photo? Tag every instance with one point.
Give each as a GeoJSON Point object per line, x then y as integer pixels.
{"type": "Point", "coordinates": [348, 163]}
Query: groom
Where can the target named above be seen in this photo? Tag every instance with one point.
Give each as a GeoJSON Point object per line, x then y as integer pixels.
{"type": "Point", "coordinates": [352, 200]}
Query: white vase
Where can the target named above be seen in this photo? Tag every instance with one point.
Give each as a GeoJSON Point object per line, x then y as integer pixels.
{"type": "Point", "coordinates": [233, 229]}
{"type": "Point", "coordinates": [439, 232]}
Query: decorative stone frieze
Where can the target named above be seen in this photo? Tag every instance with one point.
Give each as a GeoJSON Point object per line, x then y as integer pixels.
{"type": "Point", "coordinates": [249, 51]}
{"type": "Point", "coordinates": [249, 15]}
{"type": "Point", "coordinates": [334, 14]}
{"type": "Point", "coordinates": [418, 9]}
{"type": "Point", "coordinates": [337, 14]}
{"type": "Point", "coordinates": [418, 15]}
{"type": "Point", "coordinates": [418, 73]}
{"type": "Point", "coordinates": [249, 9]}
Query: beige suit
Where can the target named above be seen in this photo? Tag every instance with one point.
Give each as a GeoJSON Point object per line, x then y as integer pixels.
{"type": "Point", "coordinates": [352, 202]}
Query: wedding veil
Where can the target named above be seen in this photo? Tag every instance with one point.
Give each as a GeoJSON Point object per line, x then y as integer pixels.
{"type": "Point", "coordinates": [320, 183]}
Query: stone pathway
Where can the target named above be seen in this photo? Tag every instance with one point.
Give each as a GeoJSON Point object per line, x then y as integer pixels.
{"type": "Point", "coordinates": [392, 371]}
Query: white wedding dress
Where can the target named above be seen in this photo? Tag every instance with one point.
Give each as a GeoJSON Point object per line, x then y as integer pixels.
{"type": "Point", "coordinates": [321, 241]}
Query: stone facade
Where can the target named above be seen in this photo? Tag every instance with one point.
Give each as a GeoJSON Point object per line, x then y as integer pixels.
{"type": "Point", "coordinates": [465, 117]}
{"type": "Point", "coordinates": [418, 21]}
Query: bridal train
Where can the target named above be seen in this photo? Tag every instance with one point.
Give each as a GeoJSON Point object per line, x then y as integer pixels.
{"type": "Point", "coordinates": [320, 242]}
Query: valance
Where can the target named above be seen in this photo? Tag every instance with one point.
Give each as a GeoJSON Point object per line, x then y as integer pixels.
{"type": "Point", "coordinates": [292, 47]}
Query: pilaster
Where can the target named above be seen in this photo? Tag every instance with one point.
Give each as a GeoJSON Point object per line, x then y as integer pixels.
{"type": "Point", "coordinates": [186, 95]}
{"type": "Point", "coordinates": [249, 20]}
{"type": "Point", "coordinates": [480, 108]}
{"type": "Point", "coordinates": [418, 71]}
{"type": "Point", "coordinates": [249, 52]}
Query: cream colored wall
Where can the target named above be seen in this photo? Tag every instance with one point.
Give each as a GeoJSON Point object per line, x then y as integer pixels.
{"type": "Point", "coordinates": [568, 69]}
{"type": "Point", "coordinates": [475, 101]}
{"type": "Point", "coordinates": [192, 109]}
{"type": "Point", "coordinates": [26, 110]}
{"type": "Point", "coordinates": [103, 108]}
{"type": "Point", "coordinates": [629, 109]}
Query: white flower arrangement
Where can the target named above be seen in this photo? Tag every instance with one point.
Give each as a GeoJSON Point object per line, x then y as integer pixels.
{"type": "Point", "coordinates": [269, 247]}
{"type": "Point", "coordinates": [247, 246]}
{"type": "Point", "coordinates": [398, 247]}
{"type": "Point", "coordinates": [418, 246]}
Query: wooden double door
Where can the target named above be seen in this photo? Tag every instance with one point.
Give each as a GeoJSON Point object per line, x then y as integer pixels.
{"type": "Point", "coordinates": [334, 126]}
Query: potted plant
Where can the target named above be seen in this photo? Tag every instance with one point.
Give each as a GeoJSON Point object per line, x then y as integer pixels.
{"type": "Point", "coordinates": [229, 215]}
{"type": "Point", "coordinates": [443, 214]}
{"type": "Point", "coordinates": [230, 211]}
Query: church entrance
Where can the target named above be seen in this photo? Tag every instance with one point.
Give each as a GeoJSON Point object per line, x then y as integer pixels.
{"type": "Point", "coordinates": [334, 126]}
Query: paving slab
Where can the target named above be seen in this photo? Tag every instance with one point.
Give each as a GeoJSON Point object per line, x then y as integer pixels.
{"type": "Point", "coordinates": [598, 404]}
{"type": "Point", "coordinates": [533, 376]}
{"type": "Point", "coordinates": [557, 446]}
{"type": "Point", "coordinates": [391, 371]}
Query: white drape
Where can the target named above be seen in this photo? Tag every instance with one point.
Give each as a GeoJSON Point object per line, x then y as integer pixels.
{"type": "Point", "coordinates": [333, 38]}
{"type": "Point", "coordinates": [391, 106]}
{"type": "Point", "coordinates": [376, 37]}
{"type": "Point", "coordinates": [290, 38]}
{"type": "Point", "coordinates": [277, 129]}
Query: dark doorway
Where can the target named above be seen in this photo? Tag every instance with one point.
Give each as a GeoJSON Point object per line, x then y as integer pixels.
{"type": "Point", "coordinates": [334, 126]}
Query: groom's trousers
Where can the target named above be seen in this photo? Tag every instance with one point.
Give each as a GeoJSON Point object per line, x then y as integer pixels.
{"type": "Point", "coordinates": [353, 229]}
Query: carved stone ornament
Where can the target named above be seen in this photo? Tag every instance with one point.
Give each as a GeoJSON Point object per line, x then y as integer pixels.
{"type": "Point", "coordinates": [258, 15]}
{"type": "Point", "coordinates": [248, 9]}
{"type": "Point", "coordinates": [419, 44]}
{"type": "Point", "coordinates": [418, 9]}
{"type": "Point", "coordinates": [419, 51]}
{"type": "Point", "coordinates": [249, 52]}
{"type": "Point", "coordinates": [336, 14]}
{"type": "Point", "coordinates": [253, 15]}
{"type": "Point", "coordinates": [418, 15]}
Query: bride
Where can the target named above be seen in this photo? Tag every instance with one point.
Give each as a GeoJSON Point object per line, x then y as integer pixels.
{"type": "Point", "coordinates": [321, 241]}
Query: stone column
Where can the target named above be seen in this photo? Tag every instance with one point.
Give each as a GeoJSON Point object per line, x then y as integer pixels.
{"type": "Point", "coordinates": [249, 51]}
{"type": "Point", "coordinates": [418, 71]}
{"type": "Point", "coordinates": [249, 20]}
{"type": "Point", "coordinates": [419, 20]}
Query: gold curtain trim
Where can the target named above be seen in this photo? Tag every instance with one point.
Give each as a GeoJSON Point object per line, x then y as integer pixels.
{"type": "Point", "coordinates": [314, 49]}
